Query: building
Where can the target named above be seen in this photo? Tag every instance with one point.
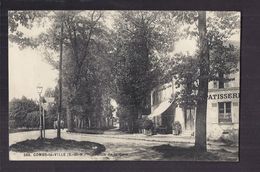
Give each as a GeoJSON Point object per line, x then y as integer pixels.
{"type": "Point", "coordinates": [222, 109]}
{"type": "Point", "coordinates": [163, 107]}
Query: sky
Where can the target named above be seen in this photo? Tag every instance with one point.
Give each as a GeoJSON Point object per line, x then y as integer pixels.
{"type": "Point", "coordinates": [28, 69]}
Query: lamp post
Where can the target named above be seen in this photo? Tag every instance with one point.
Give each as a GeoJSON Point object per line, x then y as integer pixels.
{"type": "Point", "coordinates": [39, 91]}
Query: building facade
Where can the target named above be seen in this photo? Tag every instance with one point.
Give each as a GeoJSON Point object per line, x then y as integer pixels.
{"type": "Point", "coordinates": [163, 107]}
{"type": "Point", "coordinates": [222, 109]}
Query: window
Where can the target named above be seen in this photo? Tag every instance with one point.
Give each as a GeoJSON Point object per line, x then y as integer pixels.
{"type": "Point", "coordinates": [221, 82]}
{"type": "Point", "coordinates": [224, 111]}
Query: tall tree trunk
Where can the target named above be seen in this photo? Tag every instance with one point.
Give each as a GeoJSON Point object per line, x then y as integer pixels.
{"type": "Point", "coordinates": [201, 112]}
{"type": "Point", "coordinates": [60, 81]}
{"type": "Point", "coordinates": [134, 120]}
{"type": "Point", "coordinates": [185, 117]}
{"type": "Point", "coordinates": [89, 122]}
{"type": "Point", "coordinates": [69, 119]}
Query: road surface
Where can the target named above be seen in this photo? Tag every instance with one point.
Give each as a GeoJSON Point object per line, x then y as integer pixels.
{"type": "Point", "coordinates": [119, 146]}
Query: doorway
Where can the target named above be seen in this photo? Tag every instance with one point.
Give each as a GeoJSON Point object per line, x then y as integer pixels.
{"type": "Point", "coordinates": [190, 119]}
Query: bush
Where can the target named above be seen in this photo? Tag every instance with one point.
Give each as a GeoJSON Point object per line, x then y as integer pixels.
{"type": "Point", "coordinates": [18, 110]}
{"type": "Point", "coordinates": [230, 137]}
{"type": "Point", "coordinates": [147, 124]}
{"type": "Point", "coordinates": [140, 122]}
{"type": "Point", "coordinates": [177, 128]}
{"type": "Point", "coordinates": [32, 120]}
{"type": "Point", "coordinates": [11, 123]}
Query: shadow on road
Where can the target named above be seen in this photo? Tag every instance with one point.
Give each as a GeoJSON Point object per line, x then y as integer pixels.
{"type": "Point", "coordinates": [189, 154]}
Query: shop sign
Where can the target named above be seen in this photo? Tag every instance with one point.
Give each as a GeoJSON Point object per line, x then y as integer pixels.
{"type": "Point", "coordinates": [223, 96]}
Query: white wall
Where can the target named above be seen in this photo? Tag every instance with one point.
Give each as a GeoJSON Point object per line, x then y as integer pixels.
{"type": "Point", "coordinates": [229, 94]}
{"type": "Point", "coordinates": [214, 128]}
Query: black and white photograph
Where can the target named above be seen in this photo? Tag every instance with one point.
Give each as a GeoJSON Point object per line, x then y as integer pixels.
{"type": "Point", "coordinates": [124, 85]}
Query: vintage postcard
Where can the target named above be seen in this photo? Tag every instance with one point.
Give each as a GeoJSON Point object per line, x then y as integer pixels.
{"type": "Point", "coordinates": [124, 85]}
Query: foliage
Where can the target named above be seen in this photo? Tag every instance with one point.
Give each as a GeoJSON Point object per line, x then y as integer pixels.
{"type": "Point", "coordinates": [214, 56]}
{"type": "Point", "coordinates": [147, 124]}
{"type": "Point", "coordinates": [19, 109]}
{"type": "Point", "coordinates": [129, 60]}
{"type": "Point", "coordinates": [123, 113]}
{"type": "Point", "coordinates": [49, 92]}
{"type": "Point", "coordinates": [141, 37]}
{"type": "Point", "coordinates": [51, 116]}
{"type": "Point", "coordinates": [86, 60]}
{"type": "Point", "coordinates": [140, 122]}
{"type": "Point", "coordinates": [32, 120]}
{"type": "Point", "coordinates": [52, 112]}
{"type": "Point", "coordinates": [223, 56]}
{"type": "Point", "coordinates": [177, 127]}
{"type": "Point", "coordinates": [23, 19]}
{"type": "Point", "coordinates": [108, 108]}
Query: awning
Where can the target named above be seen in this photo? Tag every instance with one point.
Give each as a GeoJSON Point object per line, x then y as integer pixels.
{"type": "Point", "coordinates": [161, 108]}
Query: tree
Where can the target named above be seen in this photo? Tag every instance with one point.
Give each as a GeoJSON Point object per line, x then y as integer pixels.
{"type": "Point", "coordinates": [25, 19]}
{"type": "Point", "coordinates": [32, 119]}
{"type": "Point", "coordinates": [19, 109]}
{"type": "Point", "coordinates": [214, 56]}
{"type": "Point", "coordinates": [140, 41]}
{"type": "Point", "coordinates": [86, 64]}
{"type": "Point", "coordinates": [49, 92]}
{"type": "Point", "coordinates": [85, 59]}
{"type": "Point", "coordinates": [201, 112]}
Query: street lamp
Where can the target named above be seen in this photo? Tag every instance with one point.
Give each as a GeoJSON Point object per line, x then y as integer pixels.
{"type": "Point", "coordinates": [39, 91]}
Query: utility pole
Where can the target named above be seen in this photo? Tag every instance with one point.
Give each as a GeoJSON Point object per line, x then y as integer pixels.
{"type": "Point", "coordinates": [60, 78]}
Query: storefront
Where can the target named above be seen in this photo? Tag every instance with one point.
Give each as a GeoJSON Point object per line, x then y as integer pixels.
{"type": "Point", "coordinates": [222, 109]}
{"type": "Point", "coordinates": [163, 107]}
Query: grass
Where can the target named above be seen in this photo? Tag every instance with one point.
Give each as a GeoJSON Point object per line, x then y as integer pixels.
{"type": "Point", "coordinates": [55, 144]}
{"type": "Point", "coordinates": [190, 154]}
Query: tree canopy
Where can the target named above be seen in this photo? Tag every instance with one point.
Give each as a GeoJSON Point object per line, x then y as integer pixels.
{"type": "Point", "coordinates": [142, 39]}
{"type": "Point", "coordinates": [127, 60]}
{"type": "Point", "coordinates": [19, 109]}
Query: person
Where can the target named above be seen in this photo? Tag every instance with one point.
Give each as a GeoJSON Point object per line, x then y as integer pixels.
{"type": "Point", "coordinates": [55, 124]}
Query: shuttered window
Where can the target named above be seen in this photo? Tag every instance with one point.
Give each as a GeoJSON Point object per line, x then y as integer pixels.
{"type": "Point", "coordinates": [224, 111]}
